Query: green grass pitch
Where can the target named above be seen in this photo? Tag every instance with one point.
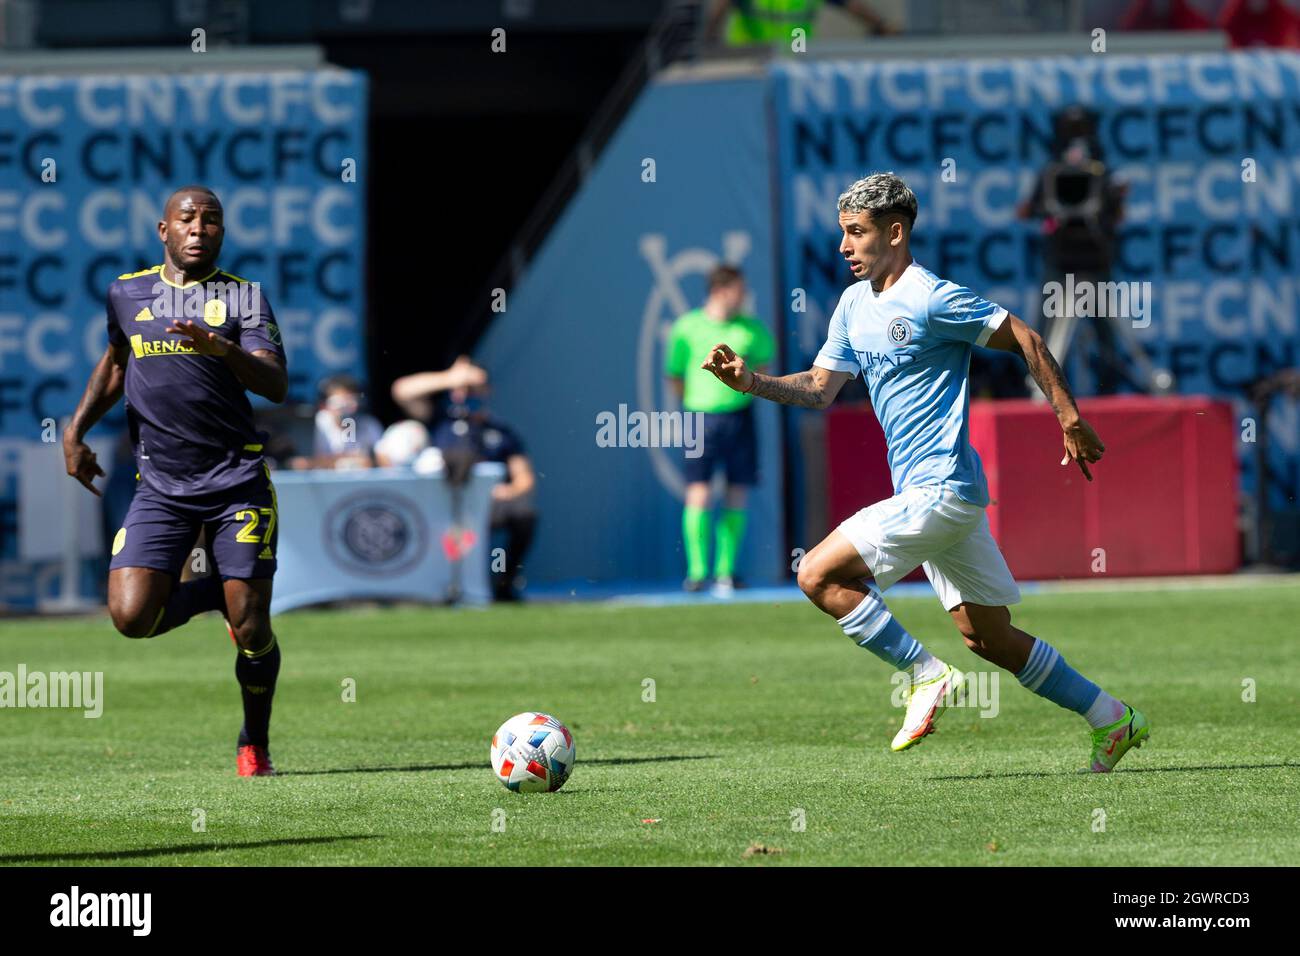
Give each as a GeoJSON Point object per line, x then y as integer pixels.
{"type": "Point", "coordinates": [764, 717]}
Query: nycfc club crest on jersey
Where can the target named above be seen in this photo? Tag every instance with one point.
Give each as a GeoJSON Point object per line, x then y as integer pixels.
{"type": "Point", "coordinates": [900, 333]}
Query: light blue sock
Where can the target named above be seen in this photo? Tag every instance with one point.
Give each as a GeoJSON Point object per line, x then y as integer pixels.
{"type": "Point", "coordinates": [1047, 675]}
{"type": "Point", "coordinates": [872, 626]}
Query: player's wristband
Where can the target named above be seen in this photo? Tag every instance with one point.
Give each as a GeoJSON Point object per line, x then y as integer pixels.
{"type": "Point", "coordinates": [752, 382]}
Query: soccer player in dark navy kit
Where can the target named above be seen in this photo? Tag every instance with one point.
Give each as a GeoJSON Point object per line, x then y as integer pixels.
{"type": "Point", "coordinates": [185, 342]}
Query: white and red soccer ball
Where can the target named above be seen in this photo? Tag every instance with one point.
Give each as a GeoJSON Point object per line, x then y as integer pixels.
{"type": "Point", "coordinates": [532, 753]}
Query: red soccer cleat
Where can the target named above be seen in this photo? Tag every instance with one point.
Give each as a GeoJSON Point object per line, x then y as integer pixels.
{"type": "Point", "coordinates": [253, 761]}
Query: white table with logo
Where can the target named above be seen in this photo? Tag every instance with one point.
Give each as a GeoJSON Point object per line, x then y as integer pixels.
{"type": "Point", "coordinates": [383, 534]}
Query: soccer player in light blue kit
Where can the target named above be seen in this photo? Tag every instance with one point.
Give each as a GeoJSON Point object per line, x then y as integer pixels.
{"type": "Point", "coordinates": [910, 333]}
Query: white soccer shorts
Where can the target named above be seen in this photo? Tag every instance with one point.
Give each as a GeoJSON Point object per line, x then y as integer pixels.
{"type": "Point", "coordinates": [931, 526]}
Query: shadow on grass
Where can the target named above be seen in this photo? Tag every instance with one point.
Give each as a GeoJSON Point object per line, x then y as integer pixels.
{"type": "Point", "coordinates": [144, 853]}
{"type": "Point", "coordinates": [1125, 770]}
{"type": "Point", "coordinates": [479, 765]}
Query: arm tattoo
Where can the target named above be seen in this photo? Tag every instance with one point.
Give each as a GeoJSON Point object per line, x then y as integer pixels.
{"type": "Point", "coordinates": [798, 389]}
{"type": "Point", "coordinates": [1051, 379]}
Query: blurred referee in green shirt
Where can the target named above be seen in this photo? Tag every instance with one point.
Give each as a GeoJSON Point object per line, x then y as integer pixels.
{"type": "Point", "coordinates": [769, 21]}
{"type": "Point", "coordinates": [730, 438]}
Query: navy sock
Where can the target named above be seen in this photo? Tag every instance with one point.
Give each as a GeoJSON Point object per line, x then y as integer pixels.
{"type": "Point", "coordinates": [257, 685]}
{"type": "Point", "coordinates": [188, 599]}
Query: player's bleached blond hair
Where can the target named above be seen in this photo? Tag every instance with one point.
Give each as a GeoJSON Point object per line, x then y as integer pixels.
{"type": "Point", "coordinates": [879, 194]}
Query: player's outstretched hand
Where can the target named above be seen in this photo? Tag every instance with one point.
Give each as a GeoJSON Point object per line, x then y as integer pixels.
{"type": "Point", "coordinates": [728, 368]}
{"type": "Point", "coordinates": [204, 342]}
{"type": "Point", "coordinates": [1082, 445]}
{"type": "Point", "coordinates": [82, 465]}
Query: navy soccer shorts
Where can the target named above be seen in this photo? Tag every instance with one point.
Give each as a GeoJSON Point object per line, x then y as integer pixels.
{"type": "Point", "coordinates": [730, 443]}
{"type": "Point", "coordinates": [241, 522]}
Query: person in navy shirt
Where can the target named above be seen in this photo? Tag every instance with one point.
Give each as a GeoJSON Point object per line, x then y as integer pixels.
{"type": "Point", "coordinates": [186, 343]}
{"type": "Point", "coordinates": [469, 433]}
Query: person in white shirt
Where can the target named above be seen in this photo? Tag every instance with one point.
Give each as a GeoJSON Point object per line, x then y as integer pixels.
{"type": "Point", "coordinates": [345, 435]}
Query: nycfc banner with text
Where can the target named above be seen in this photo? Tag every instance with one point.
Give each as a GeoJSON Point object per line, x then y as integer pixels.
{"type": "Point", "coordinates": [1206, 143]}
{"type": "Point", "coordinates": [86, 163]}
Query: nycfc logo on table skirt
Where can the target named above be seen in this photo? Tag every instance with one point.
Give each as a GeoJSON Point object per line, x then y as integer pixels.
{"type": "Point", "coordinates": [376, 532]}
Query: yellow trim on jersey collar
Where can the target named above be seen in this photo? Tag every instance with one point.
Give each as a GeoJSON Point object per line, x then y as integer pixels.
{"type": "Point", "coordinates": [142, 272]}
{"type": "Point", "coordinates": [193, 282]}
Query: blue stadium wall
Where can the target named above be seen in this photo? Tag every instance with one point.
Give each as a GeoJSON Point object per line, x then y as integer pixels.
{"type": "Point", "coordinates": [85, 164]}
{"type": "Point", "coordinates": [583, 331]}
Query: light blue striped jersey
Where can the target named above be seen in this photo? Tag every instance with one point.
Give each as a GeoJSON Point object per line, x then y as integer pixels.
{"type": "Point", "coordinates": [912, 344]}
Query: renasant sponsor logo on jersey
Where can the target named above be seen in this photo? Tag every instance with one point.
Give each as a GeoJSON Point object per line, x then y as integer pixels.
{"type": "Point", "coordinates": [651, 430]}
{"type": "Point", "coordinates": [75, 690]}
{"type": "Point", "coordinates": [74, 908]}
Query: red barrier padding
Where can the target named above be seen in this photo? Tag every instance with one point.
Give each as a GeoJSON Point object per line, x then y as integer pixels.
{"type": "Point", "coordinates": [1164, 499]}
{"type": "Point", "coordinates": [857, 465]}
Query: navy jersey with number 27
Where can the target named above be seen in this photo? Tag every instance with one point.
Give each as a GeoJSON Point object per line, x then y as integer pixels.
{"type": "Point", "coordinates": [190, 419]}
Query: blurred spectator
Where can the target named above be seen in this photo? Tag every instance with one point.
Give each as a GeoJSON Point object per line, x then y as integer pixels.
{"type": "Point", "coordinates": [345, 435]}
{"type": "Point", "coordinates": [402, 443]}
{"type": "Point", "coordinates": [461, 435]}
{"type": "Point", "coordinates": [1260, 23]}
{"type": "Point", "coordinates": [405, 442]}
{"type": "Point", "coordinates": [770, 21]}
{"type": "Point", "coordinates": [414, 394]}
{"type": "Point", "coordinates": [467, 434]}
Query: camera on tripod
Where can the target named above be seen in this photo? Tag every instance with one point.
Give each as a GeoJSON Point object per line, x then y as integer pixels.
{"type": "Point", "coordinates": [1079, 201]}
{"type": "Point", "coordinates": [1080, 204]}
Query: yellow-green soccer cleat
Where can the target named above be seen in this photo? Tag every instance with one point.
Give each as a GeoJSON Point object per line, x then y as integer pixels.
{"type": "Point", "coordinates": [1111, 743]}
{"type": "Point", "coordinates": [925, 702]}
